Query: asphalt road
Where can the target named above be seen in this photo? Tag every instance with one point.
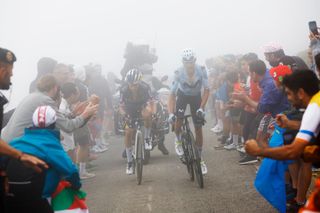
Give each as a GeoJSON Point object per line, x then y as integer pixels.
{"type": "Point", "coordinates": [228, 187]}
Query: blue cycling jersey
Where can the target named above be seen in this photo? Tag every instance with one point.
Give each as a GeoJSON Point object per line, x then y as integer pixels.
{"type": "Point", "coordinates": [190, 86]}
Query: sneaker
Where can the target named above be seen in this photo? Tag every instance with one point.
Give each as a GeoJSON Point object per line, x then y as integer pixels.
{"type": "Point", "coordinates": [179, 149]}
{"type": "Point", "coordinates": [163, 149]}
{"type": "Point", "coordinates": [129, 170]}
{"type": "Point", "coordinates": [104, 143]}
{"type": "Point", "coordinates": [217, 130]}
{"type": "Point", "coordinates": [102, 149]}
{"type": "Point", "coordinates": [241, 149]}
{"type": "Point", "coordinates": [294, 207]}
{"type": "Point", "coordinates": [87, 175]}
{"type": "Point", "coordinates": [204, 168]}
{"type": "Point", "coordinates": [248, 159]}
{"type": "Point", "coordinates": [214, 128]}
{"type": "Point", "coordinates": [147, 144]}
{"type": "Point", "coordinates": [230, 147]}
{"type": "Point", "coordinates": [99, 148]}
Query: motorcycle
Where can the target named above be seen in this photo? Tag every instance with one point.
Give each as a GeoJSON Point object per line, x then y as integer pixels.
{"type": "Point", "coordinates": [160, 124]}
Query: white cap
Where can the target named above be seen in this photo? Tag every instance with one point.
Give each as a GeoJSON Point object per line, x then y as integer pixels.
{"type": "Point", "coordinates": [271, 47]}
{"type": "Point", "coordinates": [44, 116]}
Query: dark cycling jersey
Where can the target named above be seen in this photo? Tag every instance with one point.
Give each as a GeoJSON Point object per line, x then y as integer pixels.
{"type": "Point", "coordinates": [133, 105]}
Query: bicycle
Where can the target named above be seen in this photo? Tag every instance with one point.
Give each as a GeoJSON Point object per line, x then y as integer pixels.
{"type": "Point", "coordinates": [191, 155]}
{"type": "Point", "coordinates": [138, 152]}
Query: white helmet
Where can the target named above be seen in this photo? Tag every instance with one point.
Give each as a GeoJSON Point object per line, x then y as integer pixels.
{"type": "Point", "coordinates": [188, 56]}
{"type": "Point", "coordinates": [133, 76]}
{"type": "Point", "coordinates": [44, 116]}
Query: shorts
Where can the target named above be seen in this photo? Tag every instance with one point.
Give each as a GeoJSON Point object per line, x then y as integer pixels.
{"type": "Point", "coordinates": [194, 102]}
{"type": "Point", "coordinates": [82, 136]}
{"type": "Point", "coordinates": [134, 112]}
{"type": "Point", "coordinates": [95, 127]}
{"type": "Point", "coordinates": [222, 94]}
{"type": "Point", "coordinates": [243, 117]}
{"type": "Point", "coordinates": [235, 115]}
{"type": "Point", "coordinates": [265, 122]}
{"type": "Point", "coordinates": [250, 125]}
{"type": "Point", "coordinates": [67, 142]}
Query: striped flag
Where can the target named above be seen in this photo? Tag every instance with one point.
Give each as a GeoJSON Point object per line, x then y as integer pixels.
{"type": "Point", "coordinates": [68, 200]}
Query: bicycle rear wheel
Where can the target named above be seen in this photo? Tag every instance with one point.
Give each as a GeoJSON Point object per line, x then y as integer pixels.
{"type": "Point", "coordinates": [196, 161]}
{"type": "Point", "coordinates": [139, 156]}
{"type": "Point", "coordinates": [187, 155]}
{"type": "Point", "coordinates": [146, 158]}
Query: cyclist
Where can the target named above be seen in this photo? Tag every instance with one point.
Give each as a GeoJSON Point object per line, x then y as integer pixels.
{"type": "Point", "coordinates": [189, 81]}
{"type": "Point", "coordinates": [136, 102]}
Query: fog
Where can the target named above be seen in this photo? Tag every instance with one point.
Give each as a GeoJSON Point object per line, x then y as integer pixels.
{"type": "Point", "coordinates": [79, 32]}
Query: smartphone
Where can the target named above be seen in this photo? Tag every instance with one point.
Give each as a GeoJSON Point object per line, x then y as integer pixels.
{"type": "Point", "coordinates": [313, 27]}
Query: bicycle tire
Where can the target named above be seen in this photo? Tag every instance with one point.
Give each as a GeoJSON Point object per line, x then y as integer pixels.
{"type": "Point", "coordinates": [139, 156]}
{"type": "Point", "coordinates": [196, 162]}
{"type": "Point", "coordinates": [188, 158]}
{"type": "Point", "coordinates": [147, 156]}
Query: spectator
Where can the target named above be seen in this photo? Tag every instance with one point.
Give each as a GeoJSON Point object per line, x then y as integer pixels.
{"type": "Point", "coordinates": [98, 85]}
{"type": "Point", "coordinates": [302, 89]}
{"type": "Point", "coordinates": [272, 101]}
{"type": "Point", "coordinates": [45, 66]}
{"type": "Point", "coordinates": [82, 135]}
{"type": "Point", "coordinates": [70, 96]}
{"type": "Point", "coordinates": [7, 59]}
{"type": "Point", "coordinates": [274, 53]}
{"type": "Point", "coordinates": [49, 94]}
{"type": "Point", "coordinates": [28, 190]}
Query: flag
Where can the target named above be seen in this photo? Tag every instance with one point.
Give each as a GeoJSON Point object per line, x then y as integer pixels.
{"type": "Point", "coordinates": [270, 180]}
{"type": "Point", "coordinates": [68, 200]}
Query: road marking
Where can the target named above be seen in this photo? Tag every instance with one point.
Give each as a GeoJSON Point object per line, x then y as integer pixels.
{"type": "Point", "coordinates": [149, 205]}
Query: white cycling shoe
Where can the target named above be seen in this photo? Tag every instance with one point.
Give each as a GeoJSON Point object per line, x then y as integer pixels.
{"type": "Point", "coordinates": [129, 170]}
{"type": "Point", "coordinates": [147, 144]}
{"type": "Point", "coordinates": [179, 149]}
{"type": "Point", "coordinates": [204, 168]}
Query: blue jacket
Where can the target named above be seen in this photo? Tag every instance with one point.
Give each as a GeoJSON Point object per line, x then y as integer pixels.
{"type": "Point", "coordinates": [45, 144]}
{"type": "Point", "coordinates": [273, 100]}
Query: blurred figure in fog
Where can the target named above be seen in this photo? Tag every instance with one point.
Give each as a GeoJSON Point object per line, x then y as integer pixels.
{"type": "Point", "coordinates": [82, 135]}
{"type": "Point", "coordinates": [45, 66]}
{"type": "Point", "coordinates": [98, 85]}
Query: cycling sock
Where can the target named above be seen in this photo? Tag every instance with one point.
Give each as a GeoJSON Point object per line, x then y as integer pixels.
{"type": "Point", "coordinates": [129, 154]}
{"type": "Point", "coordinates": [235, 139]}
{"type": "Point", "coordinates": [147, 133]}
{"type": "Point", "coordinates": [200, 151]}
{"type": "Point", "coordinates": [178, 137]}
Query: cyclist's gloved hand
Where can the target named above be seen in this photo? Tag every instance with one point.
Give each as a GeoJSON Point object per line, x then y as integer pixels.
{"type": "Point", "coordinates": [200, 113]}
{"type": "Point", "coordinates": [172, 118]}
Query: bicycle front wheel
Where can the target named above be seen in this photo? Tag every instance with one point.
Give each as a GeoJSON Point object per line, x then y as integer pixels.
{"type": "Point", "coordinates": [139, 156]}
{"type": "Point", "coordinates": [196, 161]}
{"type": "Point", "coordinates": [188, 155]}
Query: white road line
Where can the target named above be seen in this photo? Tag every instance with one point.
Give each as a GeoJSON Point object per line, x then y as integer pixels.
{"type": "Point", "coordinates": [149, 205]}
